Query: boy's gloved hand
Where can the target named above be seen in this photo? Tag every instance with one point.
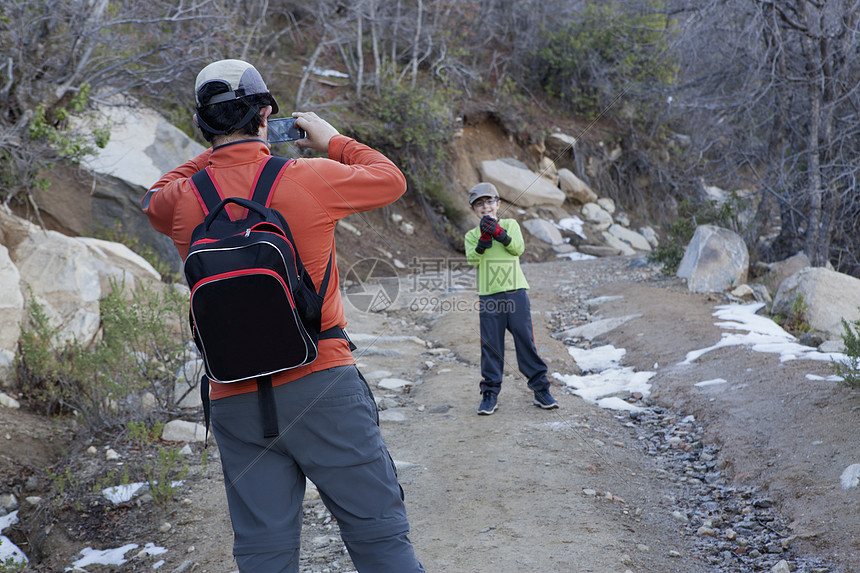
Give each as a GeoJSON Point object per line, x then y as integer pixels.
{"type": "Point", "coordinates": [501, 235]}
{"type": "Point", "coordinates": [484, 243]}
{"type": "Point", "coordinates": [491, 227]}
{"type": "Point", "coordinates": [488, 225]}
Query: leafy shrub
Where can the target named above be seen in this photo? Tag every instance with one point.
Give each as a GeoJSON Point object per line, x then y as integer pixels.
{"type": "Point", "coordinates": [795, 323]}
{"type": "Point", "coordinates": [849, 370]}
{"type": "Point", "coordinates": [414, 126]}
{"type": "Point", "coordinates": [51, 140]}
{"type": "Point", "coordinates": [679, 233]}
{"type": "Point", "coordinates": [164, 474]}
{"type": "Point", "coordinates": [585, 64]}
{"type": "Point", "coordinates": [127, 375]}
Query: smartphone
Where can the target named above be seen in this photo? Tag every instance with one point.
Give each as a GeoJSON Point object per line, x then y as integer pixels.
{"type": "Point", "coordinates": [284, 129]}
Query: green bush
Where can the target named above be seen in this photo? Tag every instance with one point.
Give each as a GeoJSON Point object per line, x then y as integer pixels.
{"type": "Point", "coordinates": [53, 140]}
{"type": "Point", "coordinates": [414, 127]}
{"type": "Point", "coordinates": [127, 375]}
{"type": "Point", "coordinates": [163, 474]}
{"type": "Point", "coordinates": [849, 370]}
{"type": "Point", "coordinates": [587, 63]}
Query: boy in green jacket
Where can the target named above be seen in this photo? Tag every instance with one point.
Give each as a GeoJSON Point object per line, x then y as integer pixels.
{"type": "Point", "coordinates": [495, 247]}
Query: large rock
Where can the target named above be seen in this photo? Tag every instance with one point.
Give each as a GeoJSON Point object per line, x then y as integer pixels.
{"type": "Point", "coordinates": [597, 216]}
{"type": "Point", "coordinates": [616, 243]}
{"type": "Point", "coordinates": [142, 147]}
{"type": "Point", "coordinates": [575, 188]}
{"type": "Point", "coordinates": [632, 238]}
{"type": "Point", "coordinates": [650, 235]}
{"type": "Point", "coordinates": [779, 271]}
{"type": "Point", "coordinates": [68, 276]}
{"type": "Point", "coordinates": [829, 297]}
{"type": "Point", "coordinates": [520, 185]}
{"type": "Point", "coordinates": [560, 144]}
{"type": "Point", "coordinates": [544, 230]}
{"type": "Point", "coordinates": [11, 303]}
{"type": "Point", "coordinates": [716, 259]}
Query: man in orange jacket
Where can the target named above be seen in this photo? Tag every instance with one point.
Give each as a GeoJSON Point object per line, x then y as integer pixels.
{"type": "Point", "coordinates": [327, 415]}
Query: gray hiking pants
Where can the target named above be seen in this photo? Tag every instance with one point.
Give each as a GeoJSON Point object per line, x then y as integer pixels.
{"type": "Point", "coordinates": [329, 433]}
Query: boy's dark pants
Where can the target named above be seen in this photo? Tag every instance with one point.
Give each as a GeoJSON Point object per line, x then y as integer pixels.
{"type": "Point", "coordinates": [509, 311]}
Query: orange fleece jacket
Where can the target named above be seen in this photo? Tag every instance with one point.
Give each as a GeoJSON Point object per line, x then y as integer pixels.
{"type": "Point", "coordinates": [313, 194]}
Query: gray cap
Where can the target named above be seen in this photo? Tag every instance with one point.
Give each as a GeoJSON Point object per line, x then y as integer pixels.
{"type": "Point", "coordinates": [241, 77]}
{"type": "Point", "coordinates": [482, 190]}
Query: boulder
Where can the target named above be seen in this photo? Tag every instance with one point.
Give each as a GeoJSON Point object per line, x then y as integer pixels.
{"type": "Point", "coordinates": [69, 275]}
{"type": "Point", "coordinates": [597, 216]}
{"type": "Point", "coordinates": [616, 243]}
{"type": "Point", "coordinates": [183, 431]}
{"type": "Point", "coordinates": [520, 185]}
{"type": "Point", "coordinates": [779, 271]}
{"type": "Point", "coordinates": [716, 259]}
{"type": "Point", "coordinates": [599, 250]}
{"type": "Point", "coordinates": [548, 170]}
{"type": "Point", "coordinates": [575, 188]}
{"type": "Point", "coordinates": [142, 147]}
{"type": "Point", "coordinates": [629, 236]}
{"type": "Point", "coordinates": [62, 276]}
{"type": "Point", "coordinates": [829, 297]}
{"type": "Point", "coordinates": [650, 236]}
{"type": "Point", "coordinates": [607, 205]}
{"type": "Point", "coordinates": [544, 230]}
{"type": "Point", "coordinates": [11, 304]}
{"type": "Point", "coordinates": [560, 144]}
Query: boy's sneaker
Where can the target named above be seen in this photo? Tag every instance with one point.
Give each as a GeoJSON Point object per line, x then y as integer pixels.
{"type": "Point", "coordinates": [545, 400]}
{"type": "Point", "coordinates": [489, 404]}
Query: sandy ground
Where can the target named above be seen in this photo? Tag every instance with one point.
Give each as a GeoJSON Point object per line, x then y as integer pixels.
{"type": "Point", "coordinates": [563, 490]}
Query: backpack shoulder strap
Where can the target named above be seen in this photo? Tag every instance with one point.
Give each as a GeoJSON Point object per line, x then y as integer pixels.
{"type": "Point", "coordinates": [269, 174]}
{"type": "Point", "coordinates": [204, 188]}
{"type": "Point", "coordinates": [266, 180]}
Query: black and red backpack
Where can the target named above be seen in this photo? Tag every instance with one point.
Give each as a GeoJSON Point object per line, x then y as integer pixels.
{"type": "Point", "coordinates": [254, 309]}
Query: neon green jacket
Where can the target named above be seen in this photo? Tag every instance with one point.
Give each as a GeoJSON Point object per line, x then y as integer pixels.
{"type": "Point", "coordinates": [499, 266]}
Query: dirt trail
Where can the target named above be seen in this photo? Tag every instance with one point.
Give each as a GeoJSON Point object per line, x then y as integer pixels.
{"type": "Point", "coordinates": [556, 491]}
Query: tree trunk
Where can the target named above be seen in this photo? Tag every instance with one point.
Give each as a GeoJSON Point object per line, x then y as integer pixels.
{"type": "Point", "coordinates": [415, 43]}
{"type": "Point", "coordinates": [359, 41]}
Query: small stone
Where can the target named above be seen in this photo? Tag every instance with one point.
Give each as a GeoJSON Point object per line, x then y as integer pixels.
{"type": "Point", "coordinates": [706, 531]}
{"type": "Point", "coordinates": [8, 502]}
{"type": "Point", "coordinates": [92, 450]}
{"type": "Point", "coordinates": [680, 517]}
{"type": "Point", "coordinates": [165, 527]}
{"type": "Point", "coordinates": [674, 553]}
{"type": "Point", "coordinates": [731, 534]}
{"type": "Point", "coordinates": [781, 567]}
{"type": "Point", "coordinates": [111, 455]}
{"type": "Point", "coordinates": [589, 493]}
